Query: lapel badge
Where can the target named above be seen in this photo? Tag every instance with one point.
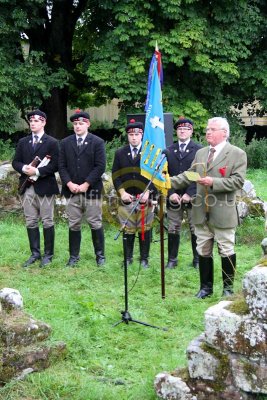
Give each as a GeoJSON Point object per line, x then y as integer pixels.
{"type": "Point", "coordinates": [85, 143]}
{"type": "Point", "coordinates": [187, 151]}
{"type": "Point", "coordinates": [175, 151]}
{"type": "Point", "coordinates": [128, 154]}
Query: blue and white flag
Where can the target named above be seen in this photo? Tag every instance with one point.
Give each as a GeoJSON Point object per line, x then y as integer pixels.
{"type": "Point", "coordinates": [154, 137]}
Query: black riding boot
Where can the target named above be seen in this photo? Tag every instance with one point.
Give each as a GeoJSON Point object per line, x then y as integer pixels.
{"type": "Point", "coordinates": [34, 240]}
{"type": "Point", "coordinates": [206, 277]}
{"type": "Point", "coordinates": [173, 247]}
{"type": "Point", "coordinates": [228, 274]}
{"type": "Point", "coordinates": [195, 261]}
{"type": "Point", "coordinates": [49, 239]}
{"type": "Point", "coordinates": [74, 247]}
{"type": "Point", "coordinates": [144, 248]}
{"type": "Point", "coordinates": [128, 247]}
{"type": "Point", "coordinates": [99, 245]}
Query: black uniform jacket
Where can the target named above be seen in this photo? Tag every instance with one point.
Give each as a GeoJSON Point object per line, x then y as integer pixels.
{"type": "Point", "coordinates": [46, 184]}
{"type": "Point", "coordinates": [126, 173]}
{"type": "Point", "coordinates": [178, 163]}
{"type": "Point", "coordinates": [86, 165]}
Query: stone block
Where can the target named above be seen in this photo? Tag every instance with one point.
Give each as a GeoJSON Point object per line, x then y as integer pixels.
{"type": "Point", "coordinates": [255, 291]}
{"type": "Point", "coordinates": [23, 349]}
{"type": "Point", "coordinates": [249, 374]}
{"type": "Point", "coordinates": [11, 299]}
{"type": "Point", "coordinates": [229, 360]}
{"type": "Point", "coordinates": [20, 329]}
{"type": "Point", "coordinates": [201, 363]}
{"type": "Point", "coordinates": [169, 387]}
{"type": "Point", "coordinates": [17, 360]}
{"type": "Point", "coordinates": [235, 333]}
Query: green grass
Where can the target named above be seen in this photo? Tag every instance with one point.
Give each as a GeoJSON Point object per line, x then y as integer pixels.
{"type": "Point", "coordinates": [106, 362]}
{"type": "Point", "coordinates": [258, 178]}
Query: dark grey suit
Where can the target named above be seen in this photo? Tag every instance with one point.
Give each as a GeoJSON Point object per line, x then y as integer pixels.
{"type": "Point", "coordinates": [126, 175]}
{"type": "Point", "coordinates": [38, 197]}
{"type": "Point", "coordinates": [86, 164]}
{"type": "Point", "coordinates": [46, 184]}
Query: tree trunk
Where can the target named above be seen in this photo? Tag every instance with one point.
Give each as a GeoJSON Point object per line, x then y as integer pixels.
{"type": "Point", "coordinates": [54, 38]}
{"type": "Point", "coordinates": [55, 108]}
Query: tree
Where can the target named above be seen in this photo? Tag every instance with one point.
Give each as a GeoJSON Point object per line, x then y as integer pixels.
{"type": "Point", "coordinates": [214, 54]}
{"type": "Point", "coordinates": [86, 52]}
{"type": "Point", "coordinates": [40, 79]}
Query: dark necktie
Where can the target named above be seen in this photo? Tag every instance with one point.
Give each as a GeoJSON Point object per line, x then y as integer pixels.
{"type": "Point", "coordinates": [182, 148]}
{"type": "Point", "coordinates": [135, 151]}
{"type": "Point", "coordinates": [210, 156]}
{"type": "Point", "coordinates": [79, 143]}
{"type": "Point", "coordinates": [35, 141]}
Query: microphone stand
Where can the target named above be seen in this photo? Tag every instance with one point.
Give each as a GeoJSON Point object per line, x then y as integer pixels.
{"type": "Point", "coordinates": [126, 316]}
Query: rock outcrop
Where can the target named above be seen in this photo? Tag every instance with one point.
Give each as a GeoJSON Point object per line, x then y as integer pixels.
{"type": "Point", "coordinates": [248, 203]}
{"type": "Point", "coordinates": [229, 360]}
{"type": "Point", "coordinates": [23, 347]}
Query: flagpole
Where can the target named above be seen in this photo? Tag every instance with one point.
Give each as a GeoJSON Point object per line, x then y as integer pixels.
{"type": "Point", "coordinates": [161, 213]}
{"type": "Point", "coordinates": [154, 144]}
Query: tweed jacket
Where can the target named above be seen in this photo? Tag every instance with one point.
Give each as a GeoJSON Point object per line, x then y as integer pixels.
{"type": "Point", "coordinates": [219, 201]}
{"type": "Point", "coordinates": [179, 162]}
{"type": "Point", "coordinates": [86, 165]}
{"type": "Point", "coordinates": [46, 184]}
{"type": "Point", "coordinates": [126, 173]}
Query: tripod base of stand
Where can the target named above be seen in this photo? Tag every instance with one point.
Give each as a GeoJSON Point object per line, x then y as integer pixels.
{"type": "Point", "coordinates": [126, 317]}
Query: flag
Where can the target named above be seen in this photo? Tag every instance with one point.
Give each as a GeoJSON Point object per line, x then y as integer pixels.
{"type": "Point", "coordinates": [154, 137]}
{"type": "Point", "coordinates": [156, 59]}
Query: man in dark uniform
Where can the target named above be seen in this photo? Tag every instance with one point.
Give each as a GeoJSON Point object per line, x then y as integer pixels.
{"type": "Point", "coordinates": [130, 185]}
{"type": "Point", "coordinates": [82, 162]}
{"type": "Point", "coordinates": [38, 185]}
{"type": "Point", "coordinates": [180, 157]}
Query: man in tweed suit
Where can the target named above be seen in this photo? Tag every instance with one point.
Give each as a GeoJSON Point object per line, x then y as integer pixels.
{"type": "Point", "coordinates": [221, 168]}
{"type": "Point", "coordinates": [38, 195]}
{"type": "Point", "coordinates": [82, 162]}
{"type": "Point", "coordinates": [180, 157]}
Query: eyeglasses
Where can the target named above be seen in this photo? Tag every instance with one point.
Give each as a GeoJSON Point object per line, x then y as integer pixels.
{"type": "Point", "coordinates": [183, 128]}
{"type": "Point", "coordinates": [214, 129]}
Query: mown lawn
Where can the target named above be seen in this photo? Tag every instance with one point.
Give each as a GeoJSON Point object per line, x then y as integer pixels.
{"type": "Point", "coordinates": [82, 305]}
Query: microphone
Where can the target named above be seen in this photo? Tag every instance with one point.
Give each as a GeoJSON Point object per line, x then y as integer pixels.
{"type": "Point", "coordinates": [164, 154]}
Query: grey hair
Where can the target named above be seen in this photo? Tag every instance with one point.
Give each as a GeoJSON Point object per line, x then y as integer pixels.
{"type": "Point", "coordinates": [223, 124]}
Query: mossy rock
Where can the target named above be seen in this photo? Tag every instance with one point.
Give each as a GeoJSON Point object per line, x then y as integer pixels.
{"type": "Point", "coordinates": [238, 305]}
{"type": "Point", "coordinates": [16, 360]}
{"type": "Point", "coordinates": [255, 207]}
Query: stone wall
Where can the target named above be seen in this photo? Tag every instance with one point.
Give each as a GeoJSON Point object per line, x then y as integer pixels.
{"type": "Point", "coordinates": [10, 200]}
{"type": "Point", "coordinates": [247, 202]}
{"type": "Point", "coordinates": [229, 360]}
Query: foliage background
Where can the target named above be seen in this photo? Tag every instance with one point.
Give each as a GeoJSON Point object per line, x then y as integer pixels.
{"type": "Point", "coordinates": [85, 53]}
{"type": "Point", "coordinates": [256, 150]}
